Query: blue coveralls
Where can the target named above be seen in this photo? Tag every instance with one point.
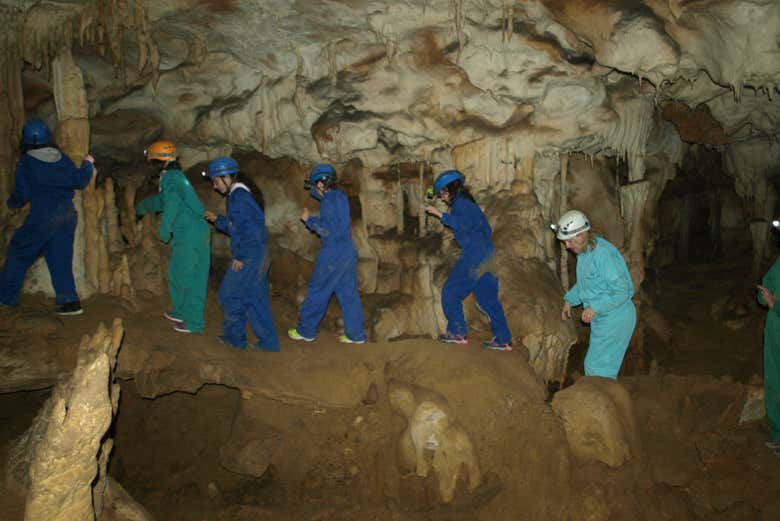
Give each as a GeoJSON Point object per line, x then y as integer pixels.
{"type": "Point", "coordinates": [243, 294]}
{"type": "Point", "coordinates": [46, 178]}
{"type": "Point", "coordinates": [474, 270]}
{"type": "Point", "coordinates": [188, 269]}
{"type": "Point", "coordinates": [604, 284]}
{"type": "Point", "coordinates": [335, 269]}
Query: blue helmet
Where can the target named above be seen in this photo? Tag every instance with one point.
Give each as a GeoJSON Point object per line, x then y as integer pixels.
{"type": "Point", "coordinates": [320, 172]}
{"type": "Point", "coordinates": [35, 132]}
{"type": "Point", "coordinates": [445, 178]}
{"type": "Point", "coordinates": [222, 166]}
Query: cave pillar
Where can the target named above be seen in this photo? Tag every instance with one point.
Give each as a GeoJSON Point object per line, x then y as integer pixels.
{"type": "Point", "coordinates": [11, 119]}
{"type": "Point", "coordinates": [758, 231]}
{"type": "Point", "coordinates": [633, 198]}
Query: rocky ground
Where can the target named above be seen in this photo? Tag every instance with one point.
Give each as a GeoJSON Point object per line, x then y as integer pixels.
{"type": "Point", "coordinates": [313, 432]}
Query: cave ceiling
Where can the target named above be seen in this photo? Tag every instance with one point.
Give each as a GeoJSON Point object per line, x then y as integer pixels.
{"type": "Point", "coordinates": [388, 81]}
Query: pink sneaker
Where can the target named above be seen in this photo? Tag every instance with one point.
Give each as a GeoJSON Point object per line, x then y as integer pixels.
{"type": "Point", "coordinates": [180, 327]}
{"type": "Point", "coordinates": [169, 315]}
{"type": "Point", "coordinates": [452, 338]}
{"type": "Point", "coordinates": [498, 346]}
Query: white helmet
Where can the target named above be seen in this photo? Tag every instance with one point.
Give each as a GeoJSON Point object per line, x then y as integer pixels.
{"type": "Point", "coordinates": [570, 224]}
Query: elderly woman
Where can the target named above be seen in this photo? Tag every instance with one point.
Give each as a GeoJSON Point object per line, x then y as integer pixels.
{"type": "Point", "coordinates": [604, 289]}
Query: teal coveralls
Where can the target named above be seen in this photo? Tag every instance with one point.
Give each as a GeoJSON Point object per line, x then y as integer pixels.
{"type": "Point", "coordinates": [772, 352]}
{"type": "Point", "coordinates": [188, 269]}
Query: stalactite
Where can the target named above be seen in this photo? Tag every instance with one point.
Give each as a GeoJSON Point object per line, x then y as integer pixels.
{"type": "Point", "coordinates": [127, 215]}
{"type": "Point", "coordinates": [421, 214]}
{"type": "Point", "coordinates": [629, 136]}
{"type": "Point", "coordinates": [399, 202]}
{"type": "Point", "coordinates": [111, 215]}
{"type": "Point", "coordinates": [563, 208]}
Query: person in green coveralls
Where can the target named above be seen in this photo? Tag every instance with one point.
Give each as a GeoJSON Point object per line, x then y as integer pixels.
{"type": "Point", "coordinates": [767, 296]}
{"type": "Point", "coordinates": [183, 225]}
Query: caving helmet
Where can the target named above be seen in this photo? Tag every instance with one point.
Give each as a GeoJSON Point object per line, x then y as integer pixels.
{"type": "Point", "coordinates": [322, 172]}
{"type": "Point", "coordinates": [35, 133]}
{"type": "Point", "coordinates": [571, 224]}
{"type": "Point", "coordinates": [160, 151]}
{"type": "Point", "coordinates": [222, 166]}
{"type": "Point", "coordinates": [445, 179]}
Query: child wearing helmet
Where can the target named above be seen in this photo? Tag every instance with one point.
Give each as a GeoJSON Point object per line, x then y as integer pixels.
{"type": "Point", "coordinates": [473, 271]}
{"type": "Point", "coordinates": [335, 269]}
{"type": "Point", "coordinates": [243, 293]}
{"type": "Point", "coordinates": [46, 178]}
{"type": "Point", "coordinates": [604, 288]}
{"type": "Point", "coordinates": [183, 226]}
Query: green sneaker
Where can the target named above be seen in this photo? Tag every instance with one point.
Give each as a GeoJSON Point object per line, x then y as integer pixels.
{"type": "Point", "coordinates": [293, 333]}
{"type": "Point", "coordinates": [344, 339]}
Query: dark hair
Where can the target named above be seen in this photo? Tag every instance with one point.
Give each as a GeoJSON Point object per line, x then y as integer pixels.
{"type": "Point", "coordinates": [26, 147]}
{"type": "Point", "coordinates": [170, 165]}
{"type": "Point", "coordinates": [257, 194]}
{"type": "Point", "coordinates": [456, 189]}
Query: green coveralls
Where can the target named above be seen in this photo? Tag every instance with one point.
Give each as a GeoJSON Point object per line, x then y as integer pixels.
{"type": "Point", "coordinates": [772, 352]}
{"type": "Point", "coordinates": [188, 269]}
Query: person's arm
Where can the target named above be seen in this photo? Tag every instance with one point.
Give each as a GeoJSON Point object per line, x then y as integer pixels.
{"type": "Point", "coordinates": [82, 175]}
{"type": "Point", "coordinates": [21, 194]}
{"type": "Point", "coordinates": [152, 204]}
{"type": "Point", "coordinates": [324, 224]}
{"type": "Point", "coordinates": [770, 285]}
{"type": "Point", "coordinates": [614, 273]}
{"type": "Point", "coordinates": [223, 224]}
{"type": "Point", "coordinates": [462, 217]}
{"type": "Point", "coordinates": [243, 212]}
{"type": "Point", "coordinates": [573, 296]}
{"type": "Point", "coordinates": [172, 203]}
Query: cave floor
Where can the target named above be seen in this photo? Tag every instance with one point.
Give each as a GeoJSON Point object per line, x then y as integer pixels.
{"type": "Point", "coordinates": [697, 461]}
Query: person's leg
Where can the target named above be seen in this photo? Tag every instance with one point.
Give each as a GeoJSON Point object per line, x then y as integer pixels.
{"type": "Point", "coordinates": [58, 253]}
{"type": "Point", "coordinates": [772, 375]}
{"type": "Point", "coordinates": [321, 286]}
{"type": "Point", "coordinates": [259, 306]}
{"type": "Point", "coordinates": [609, 339]}
{"type": "Point", "coordinates": [191, 279]}
{"type": "Point", "coordinates": [25, 246]}
{"type": "Point", "coordinates": [486, 293]}
{"type": "Point", "coordinates": [457, 287]}
{"type": "Point", "coordinates": [349, 300]}
{"type": "Point", "coordinates": [233, 301]}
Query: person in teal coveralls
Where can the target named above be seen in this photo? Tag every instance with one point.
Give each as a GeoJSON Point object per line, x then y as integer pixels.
{"type": "Point", "coordinates": [767, 296]}
{"type": "Point", "coordinates": [46, 178]}
{"type": "Point", "coordinates": [604, 288]}
{"type": "Point", "coordinates": [244, 290]}
{"type": "Point", "coordinates": [182, 225]}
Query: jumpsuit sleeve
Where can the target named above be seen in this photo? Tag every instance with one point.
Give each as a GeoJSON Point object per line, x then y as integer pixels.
{"type": "Point", "coordinates": [224, 225]}
{"type": "Point", "coordinates": [462, 217]}
{"type": "Point", "coordinates": [573, 296]}
{"type": "Point", "coordinates": [21, 194]}
{"type": "Point", "coordinates": [770, 281]}
{"type": "Point", "coordinates": [617, 281]}
{"type": "Point", "coordinates": [153, 204]}
{"type": "Point", "coordinates": [82, 175]}
{"type": "Point", "coordinates": [172, 201]}
{"type": "Point", "coordinates": [326, 222]}
{"type": "Point", "coordinates": [242, 223]}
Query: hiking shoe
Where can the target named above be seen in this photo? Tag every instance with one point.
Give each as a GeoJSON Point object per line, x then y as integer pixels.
{"type": "Point", "coordinates": [772, 444]}
{"type": "Point", "coordinates": [452, 338]}
{"type": "Point", "coordinates": [180, 327]}
{"type": "Point", "coordinates": [293, 333]}
{"type": "Point", "coordinates": [70, 309]}
{"type": "Point", "coordinates": [224, 341]}
{"type": "Point", "coordinates": [498, 346]}
{"type": "Point", "coordinates": [344, 339]}
{"type": "Point", "coordinates": [169, 315]}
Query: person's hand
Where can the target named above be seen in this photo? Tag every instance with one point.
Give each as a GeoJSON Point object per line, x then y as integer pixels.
{"type": "Point", "coordinates": [210, 216]}
{"type": "Point", "coordinates": [433, 211]}
{"type": "Point", "coordinates": [588, 314]}
{"type": "Point", "coordinates": [237, 265]}
{"type": "Point", "coordinates": [767, 296]}
{"type": "Point", "coordinates": [305, 215]}
{"type": "Point", "coordinates": [566, 311]}
{"type": "Point", "coordinates": [89, 158]}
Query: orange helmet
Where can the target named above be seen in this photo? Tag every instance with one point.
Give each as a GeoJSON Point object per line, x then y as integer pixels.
{"type": "Point", "coordinates": [161, 151]}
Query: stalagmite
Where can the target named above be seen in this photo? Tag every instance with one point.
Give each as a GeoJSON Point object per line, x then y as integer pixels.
{"type": "Point", "coordinates": [758, 231]}
{"type": "Point", "coordinates": [111, 213]}
{"type": "Point", "coordinates": [421, 215]}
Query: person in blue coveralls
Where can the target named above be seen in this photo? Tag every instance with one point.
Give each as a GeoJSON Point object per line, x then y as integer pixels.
{"type": "Point", "coordinates": [335, 269]}
{"type": "Point", "coordinates": [243, 294]}
{"type": "Point", "coordinates": [183, 226]}
{"type": "Point", "coordinates": [46, 178]}
{"type": "Point", "coordinates": [604, 288]}
{"type": "Point", "coordinates": [475, 270]}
